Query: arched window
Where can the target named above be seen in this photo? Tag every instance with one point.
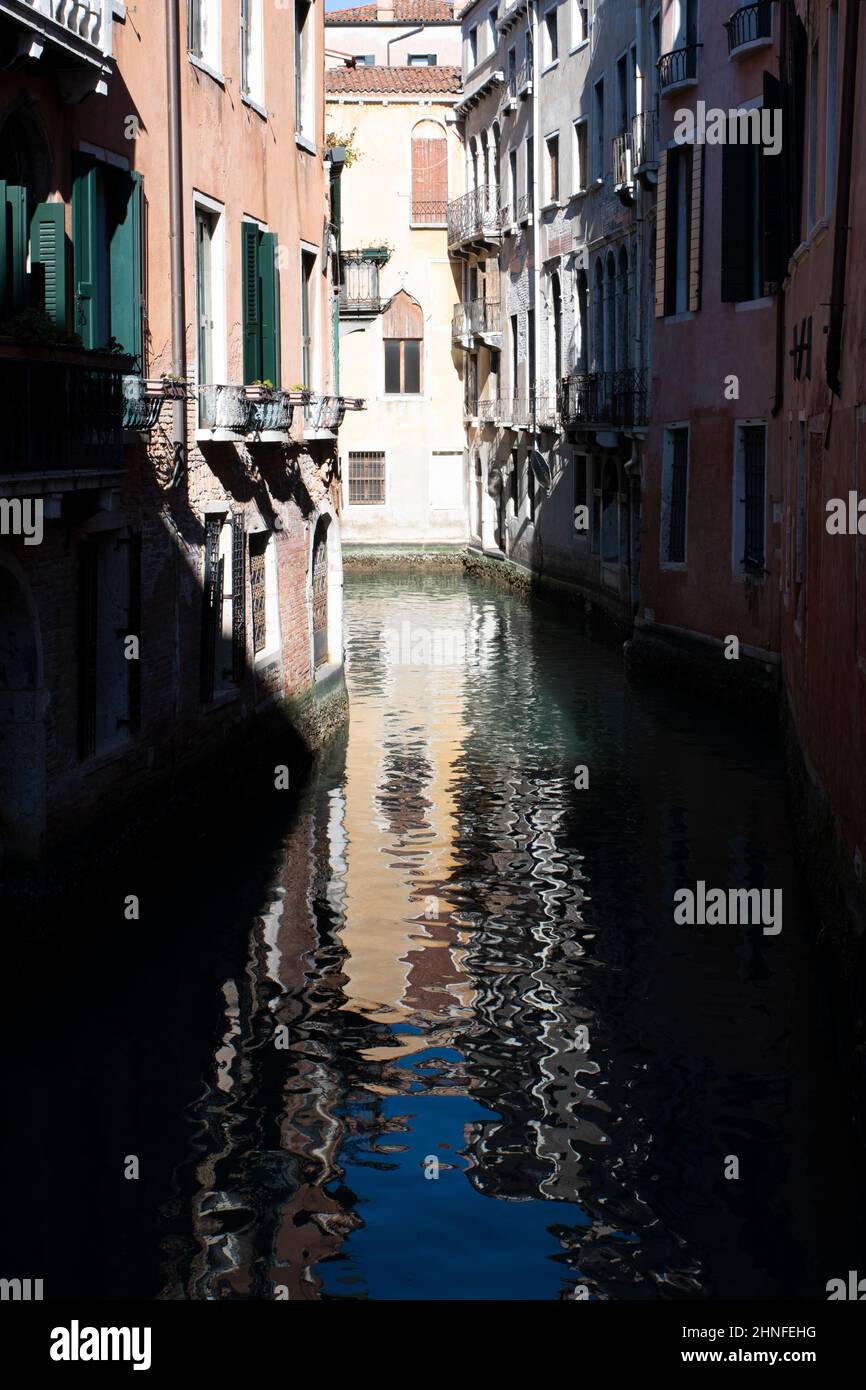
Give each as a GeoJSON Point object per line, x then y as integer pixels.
{"type": "Point", "coordinates": [610, 316]}
{"type": "Point", "coordinates": [429, 175]}
{"type": "Point", "coordinates": [581, 323]}
{"type": "Point", "coordinates": [556, 325]}
{"type": "Point", "coordinates": [403, 336]}
{"type": "Point", "coordinates": [472, 171]}
{"type": "Point", "coordinates": [623, 349]}
{"type": "Point", "coordinates": [598, 319]}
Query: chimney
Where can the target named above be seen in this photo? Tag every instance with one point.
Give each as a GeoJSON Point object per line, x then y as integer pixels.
{"type": "Point", "coordinates": [384, 10]}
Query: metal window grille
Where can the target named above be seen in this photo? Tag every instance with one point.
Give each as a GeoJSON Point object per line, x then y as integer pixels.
{"type": "Point", "coordinates": [367, 477]}
{"type": "Point", "coordinates": [258, 547]}
{"type": "Point", "coordinates": [754, 470]}
{"type": "Point", "coordinates": [679, 480]}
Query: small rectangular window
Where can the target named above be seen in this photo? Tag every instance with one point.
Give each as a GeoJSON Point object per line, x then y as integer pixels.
{"type": "Point", "coordinates": [552, 143]}
{"type": "Point", "coordinates": [367, 478]}
{"type": "Point", "coordinates": [581, 171]}
{"type": "Point", "coordinates": [422, 60]}
{"type": "Point", "coordinates": [598, 129]}
{"type": "Point", "coordinates": [675, 487]}
{"type": "Point", "coordinates": [551, 35]}
{"type": "Point", "coordinates": [367, 60]}
{"type": "Point", "coordinates": [473, 47]}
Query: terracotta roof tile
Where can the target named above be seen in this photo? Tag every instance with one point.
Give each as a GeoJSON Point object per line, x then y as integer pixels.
{"type": "Point", "coordinates": [400, 79]}
{"type": "Point", "coordinates": [405, 11]}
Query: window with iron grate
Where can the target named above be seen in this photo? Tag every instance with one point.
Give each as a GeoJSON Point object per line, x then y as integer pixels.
{"type": "Point", "coordinates": [367, 477]}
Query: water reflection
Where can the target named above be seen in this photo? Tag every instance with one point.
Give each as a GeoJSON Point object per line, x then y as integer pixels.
{"type": "Point", "coordinates": [463, 957]}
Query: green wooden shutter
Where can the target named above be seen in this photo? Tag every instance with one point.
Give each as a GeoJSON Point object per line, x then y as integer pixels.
{"type": "Point", "coordinates": [84, 249]}
{"type": "Point", "coordinates": [251, 302]}
{"type": "Point", "coordinates": [13, 248]}
{"type": "Point", "coordinates": [48, 248]}
{"type": "Point", "coordinates": [125, 254]}
{"type": "Point", "coordinates": [270, 300]}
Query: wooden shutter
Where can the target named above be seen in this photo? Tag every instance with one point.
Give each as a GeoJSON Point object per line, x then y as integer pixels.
{"type": "Point", "coordinates": [211, 602]}
{"type": "Point", "coordinates": [661, 224]}
{"type": "Point", "coordinates": [84, 224]}
{"type": "Point", "coordinates": [88, 565]}
{"type": "Point", "coordinates": [675, 182]}
{"type": "Point", "coordinates": [775, 257]}
{"type": "Point", "coordinates": [696, 229]}
{"type": "Point", "coordinates": [269, 283]}
{"type": "Point", "coordinates": [736, 205]}
{"type": "Point", "coordinates": [252, 327]}
{"type": "Point", "coordinates": [125, 260]}
{"type": "Point", "coordinates": [48, 249]}
{"type": "Point", "coordinates": [133, 628]}
{"type": "Point", "coordinates": [13, 248]}
{"type": "Point", "coordinates": [429, 179]}
{"type": "Point", "coordinates": [239, 606]}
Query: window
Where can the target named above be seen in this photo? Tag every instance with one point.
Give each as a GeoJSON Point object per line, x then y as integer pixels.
{"type": "Point", "coordinates": [581, 322]}
{"type": "Point", "coordinates": [512, 69]}
{"type": "Point", "coordinates": [512, 183]}
{"type": "Point", "coordinates": [514, 357]}
{"type": "Point", "coordinates": [598, 129]}
{"type": "Point", "coordinates": [205, 230]}
{"type": "Point", "coordinates": [550, 51]}
{"type": "Point", "coordinates": [492, 36]}
{"type": "Point", "coordinates": [429, 175]}
{"type": "Point", "coordinates": [264, 607]}
{"type": "Point", "coordinates": [581, 169]}
{"type": "Point", "coordinates": [556, 325]}
{"type": "Point", "coordinates": [367, 478]}
{"type": "Point", "coordinates": [305, 120]}
{"type": "Point", "coordinates": [202, 31]}
{"type": "Point", "coordinates": [750, 503]}
{"type": "Point", "coordinates": [403, 337]}
{"type": "Point", "coordinates": [308, 268]}
{"type": "Point", "coordinates": [422, 60]}
{"type": "Point", "coordinates": [552, 145]}
{"type": "Point", "coordinates": [814, 70]}
{"type": "Point", "coordinates": [831, 120]}
{"type": "Point", "coordinates": [106, 254]}
{"type": "Point", "coordinates": [368, 60]}
{"type": "Point", "coordinates": [109, 611]}
{"type": "Point", "coordinates": [753, 254]}
{"type": "Point", "coordinates": [261, 304]}
{"type": "Point", "coordinates": [530, 348]}
{"type": "Point", "coordinates": [529, 165]}
{"type": "Point", "coordinates": [579, 22]}
{"type": "Point", "coordinates": [675, 242]}
{"type": "Point", "coordinates": [223, 636]}
{"type": "Point", "coordinates": [675, 488]}
{"type": "Point", "coordinates": [252, 51]}
{"type": "Point", "coordinates": [473, 47]}
{"type": "Point", "coordinates": [622, 94]}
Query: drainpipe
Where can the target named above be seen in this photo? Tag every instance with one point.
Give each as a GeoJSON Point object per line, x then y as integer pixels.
{"type": "Point", "coordinates": [407, 34]}
{"type": "Point", "coordinates": [843, 198]}
{"type": "Point", "coordinates": [532, 10]}
{"type": "Point", "coordinates": [175, 203]}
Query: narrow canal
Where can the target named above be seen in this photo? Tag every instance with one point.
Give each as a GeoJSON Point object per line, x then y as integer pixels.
{"type": "Point", "coordinates": [440, 1036]}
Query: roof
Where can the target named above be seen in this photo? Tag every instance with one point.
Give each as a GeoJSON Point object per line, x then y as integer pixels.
{"type": "Point", "coordinates": [398, 79]}
{"type": "Point", "coordinates": [405, 12]}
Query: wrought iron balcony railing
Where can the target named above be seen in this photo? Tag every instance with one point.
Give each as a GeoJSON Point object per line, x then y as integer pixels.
{"type": "Point", "coordinates": [524, 207]}
{"type": "Point", "coordinates": [644, 139]}
{"type": "Point", "coordinates": [325, 412]}
{"type": "Point", "coordinates": [61, 417]}
{"type": "Point", "coordinates": [679, 66]}
{"type": "Point", "coordinates": [520, 81]}
{"type": "Point", "coordinates": [480, 317]}
{"type": "Point", "coordinates": [623, 159]}
{"type": "Point", "coordinates": [272, 414]}
{"type": "Point", "coordinates": [616, 399]}
{"type": "Point", "coordinates": [429, 212]}
{"type": "Point", "coordinates": [224, 408]}
{"type": "Point", "coordinates": [476, 216]}
{"type": "Point", "coordinates": [750, 24]}
{"type": "Point", "coordinates": [359, 285]}
{"type": "Point", "coordinates": [141, 406]}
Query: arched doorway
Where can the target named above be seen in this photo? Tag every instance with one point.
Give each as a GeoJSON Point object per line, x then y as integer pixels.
{"type": "Point", "coordinates": [320, 594]}
{"type": "Point", "coordinates": [22, 737]}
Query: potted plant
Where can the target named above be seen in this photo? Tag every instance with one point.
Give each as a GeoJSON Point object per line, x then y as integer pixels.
{"type": "Point", "coordinates": [259, 390]}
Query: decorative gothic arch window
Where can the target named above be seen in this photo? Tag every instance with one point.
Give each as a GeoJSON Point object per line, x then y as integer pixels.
{"type": "Point", "coordinates": [403, 337]}
{"type": "Point", "coordinates": [622, 317]}
{"type": "Point", "coordinates": [581, 323]}
{"type": "Point", "coordinates": [429, 174]}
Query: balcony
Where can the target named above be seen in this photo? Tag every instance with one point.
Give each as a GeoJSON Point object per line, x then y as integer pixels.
{"type": "Point", "coordinates": [749, 27]}
{"type": "Point", "coordinates": [475, 220]}
{"type": "Point", "coordinates": [623, 165]}
{"type": "Point", "coordinates": [679, 68]}
{"type": "Point", "coordinates": [63, 421]}
{"type": "Point", "coordinates": [75, 35]}
{"type": "Point", "coordinates": [143, 401]}
{"type": "Point", "coordinates": [644, 146]}
{"type": "Point", "coordinates": [224, 411]}
{"type": "Point", "coordinates": [615, 400]}
{"type": "Point", "coordinates": [360, 295]}
{"type": "Point", "coordinates": [477, 318]}
{"type": "Point", "coordinates": [271, 415]}
{"type": "Point", "coordinates": [524, 209]}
